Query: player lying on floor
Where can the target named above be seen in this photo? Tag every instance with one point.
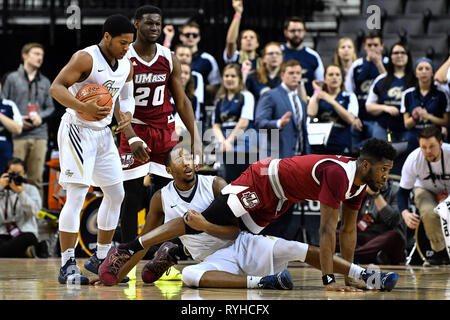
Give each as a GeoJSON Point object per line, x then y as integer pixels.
{"type": "Point", "coordinates": [249, 260]}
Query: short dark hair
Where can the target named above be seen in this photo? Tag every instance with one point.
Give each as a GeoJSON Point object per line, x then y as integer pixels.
{"type": "Point", "coordinates": [293, 19]}
{"type": "Point", "coordinates": [15, 161]}
{"type": "Point", "coordinates": [431, 131]}
{"type": "Point", "coordinates": [289, 63]}
{"type": "Point", "coordinates": [117, 24]}
{"type": "Point", "coordinates": [376, 150]}
{"type": "Point", "coordinates": [372, 35]}
{"type": "Point", "coordinates": [146, 10]}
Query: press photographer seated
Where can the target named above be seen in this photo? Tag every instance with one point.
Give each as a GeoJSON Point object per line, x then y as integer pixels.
{"type": "Point", "coordinates": [19, 203]}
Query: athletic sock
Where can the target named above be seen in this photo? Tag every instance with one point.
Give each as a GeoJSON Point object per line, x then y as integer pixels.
{"type": "Point", "coordinates": [133, 246]}
{"type": "Point", "coordinates": [356, 272]}
{"type": "Point", "coordinates": [253, 281]}
{"type": "Point", "coordinates": [66, 255]}
{"type": "Point", "coordinates": [102, 250]}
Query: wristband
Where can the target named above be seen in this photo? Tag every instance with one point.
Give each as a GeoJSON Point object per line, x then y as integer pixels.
{"type": "Point", "coordinates": [136, 139]}
{"type": "Point", "coordinates": [167, 44]}
{"type": "Point", "coordinates": [316, 91]}
{"type": "Point", "coordinates": [244, 70]}
{"type": "Point", "coordinates": [415, 118]}
{"type": "Point", "coordinates": [328, 278]}
{"type": "Point", "coordinates": [237, 15]}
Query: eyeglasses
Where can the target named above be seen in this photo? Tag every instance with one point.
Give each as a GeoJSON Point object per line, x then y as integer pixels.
{"type": "Point", "coordinates": [193, 35]}
{"type": "Point", "coordinates": [399, 53]}
{"type": "Point", "coordinates": [296, 30]}
{"type": "Point", "coordinates": [273, 53]}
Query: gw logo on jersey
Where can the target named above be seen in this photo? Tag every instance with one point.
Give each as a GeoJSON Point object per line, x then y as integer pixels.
{"type": "Point", "coordinates": [109, 85]}
{"type": "Point", "coordinates": [250, 199]}
{"type": "Point", "coordinates": [395, 92]}
{"type": "Point", "coordinates": [149, 78]}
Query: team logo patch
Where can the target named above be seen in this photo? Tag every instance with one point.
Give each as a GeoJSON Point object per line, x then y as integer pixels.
{"type": "Point", "coordinates": [127, 160]}
{"type": "Point", "coordinates": [249, 199]}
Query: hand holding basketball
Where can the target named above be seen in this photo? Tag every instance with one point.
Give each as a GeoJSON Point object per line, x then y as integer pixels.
{"type": "Point", "coordinates": [97, 101]}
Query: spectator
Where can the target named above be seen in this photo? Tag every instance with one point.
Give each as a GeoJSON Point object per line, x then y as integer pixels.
{"type": "Point", "coordinates": [426, 172]}
{"type": "Point", "coordinates": [184, 55]}
{"type": "Point", "coordinates": [331, 103]}
{"type": "Point", "coordinates": [29, 89]}
{"type": "Point", "coordinates": [10, 123]}
{"type": "Point", "coordinates": [202, 62]}
{"type": "Point", "coordinates": [233, 116]}
{"type": "Point", "coordinates": [281, 109]}
{"type": "Point", "coordinates": [423, 105]}
{"type": "Point", "coordinates": [358, 81]}
{"type": "Point", "coordinates": [381, 233]}
{"type": "Point", "coordinates": [267, 76]}
{"type": "Point", "coordinates": [385, 95]}
{"type": "Point", "coordinates": [241, 47]}
{"type": "Point", "coordinates": [294, 32]}
{"type": "Point", "coordinates": [344, 54]}
{"type": "Point", "coordinates": [19, 203]}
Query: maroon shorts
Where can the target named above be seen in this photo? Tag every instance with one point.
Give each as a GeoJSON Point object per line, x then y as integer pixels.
{"type": "Point", "coordinates": [158, 140]}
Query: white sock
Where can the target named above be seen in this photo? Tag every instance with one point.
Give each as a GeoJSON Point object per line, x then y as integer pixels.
{"type": "Point", "coordinates": [66, 255]}
{"type": "Point", "coordinates": [252, 282]}
{"type": "Point", "coordinates": [102, 250]}
{"type": "Point", "coordinates": [355, 271]}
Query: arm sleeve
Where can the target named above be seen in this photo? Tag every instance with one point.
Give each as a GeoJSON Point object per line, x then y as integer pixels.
{"type": "Point", "coordinates": [403, 198]}
{"type": "Point", "coordinates": [30, 200]}
{"type": "Point", "coordinates": [127, 103]}
{"type": "Point", "coordinates": [47, 112]}
{"type": "Point", "coordinates": [349, 84]}
{"type": "Point", "coordinates": [403, 107]}
{"type": "Point", "coordinates": [353, 106]}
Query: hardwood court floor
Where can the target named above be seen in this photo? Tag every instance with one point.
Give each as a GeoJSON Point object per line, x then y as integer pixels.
{"type": "Point", "coordinates": [36, 279]}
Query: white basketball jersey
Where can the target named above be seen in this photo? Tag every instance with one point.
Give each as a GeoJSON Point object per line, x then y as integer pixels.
{"type": "Point", "coordinates": [199, 245]}
{"type": "Point", "coordinates": [101, 73]}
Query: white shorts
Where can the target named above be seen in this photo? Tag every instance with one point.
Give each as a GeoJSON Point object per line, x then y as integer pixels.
{"type": "Point", "coordinates": [87, 156]}
{"type": "Point", "coordinates": [249, 255]}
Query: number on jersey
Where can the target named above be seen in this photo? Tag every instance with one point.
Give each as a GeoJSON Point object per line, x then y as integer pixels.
{"type": "Point", "coordinates": [142, 96]}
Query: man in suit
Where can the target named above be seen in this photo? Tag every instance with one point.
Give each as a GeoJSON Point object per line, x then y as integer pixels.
{"type": "Point", "coordinates": [281, 109]}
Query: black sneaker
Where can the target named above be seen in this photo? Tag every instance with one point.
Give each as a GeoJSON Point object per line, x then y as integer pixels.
{"type": "Point", "coordinates": [439, 258]}
{"type": "Point", "coordinates": [279, 281]}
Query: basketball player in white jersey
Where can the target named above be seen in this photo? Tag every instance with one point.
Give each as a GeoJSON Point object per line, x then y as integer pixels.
{"type": "Point", "coordinates": [88, 155]}
{"type": "Point", "coordinates": [248, 261]}
{"type": "Point", "coordinates": [157, 77]}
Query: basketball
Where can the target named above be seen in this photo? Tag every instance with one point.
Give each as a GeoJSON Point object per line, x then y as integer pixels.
{"type": "Point", "coordinates": [92, 91]}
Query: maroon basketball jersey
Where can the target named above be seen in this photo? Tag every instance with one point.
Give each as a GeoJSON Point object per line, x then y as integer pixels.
{"type": "Point", "coordinates": [151, 95]}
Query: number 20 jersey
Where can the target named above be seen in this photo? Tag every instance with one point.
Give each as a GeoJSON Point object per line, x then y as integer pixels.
{"type": "Point", "coordinates": [151, 95]}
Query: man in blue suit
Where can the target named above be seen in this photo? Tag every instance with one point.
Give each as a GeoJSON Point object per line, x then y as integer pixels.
{"type": "Point", "coordinates": [281, 108]}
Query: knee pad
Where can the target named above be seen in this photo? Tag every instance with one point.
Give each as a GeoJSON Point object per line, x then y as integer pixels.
{"type": "Point", "coordinates": [69, 218]}
{"type": "Point", "coordinates": [109, 211]}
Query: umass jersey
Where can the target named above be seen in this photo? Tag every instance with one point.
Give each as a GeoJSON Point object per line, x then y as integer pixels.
{"type": "Point", "coordinates": [151, 95]}
{"type": "Point", "coordinates": [269, 187]}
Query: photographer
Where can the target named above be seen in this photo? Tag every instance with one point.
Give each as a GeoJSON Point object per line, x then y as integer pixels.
{"type": "Point", "coordinates": [19, 202]}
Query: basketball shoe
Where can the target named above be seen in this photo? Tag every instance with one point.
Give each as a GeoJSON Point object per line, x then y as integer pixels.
{"type": "Point", "coordinates": [94, 263]}
{"type": "Point", "coordinates": [71, 274]}
{"type": "Point", "coordinates": [380, 280]}
{"type": "Point", "coordinates": [114, 261]}
{"type": "Point", "coordinates": [165, 257]}
{"type": "Point", "coordinates": [279, 281]}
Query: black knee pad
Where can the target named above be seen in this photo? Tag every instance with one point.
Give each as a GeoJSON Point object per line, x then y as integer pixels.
{"type": "Point", "coordinates": [218, 213]}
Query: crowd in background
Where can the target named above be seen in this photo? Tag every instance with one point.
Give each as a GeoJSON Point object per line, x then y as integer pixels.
{"type": "Point", "coordinates": [281, 87]}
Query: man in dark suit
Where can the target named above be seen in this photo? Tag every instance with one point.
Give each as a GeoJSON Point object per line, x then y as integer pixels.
{"type": "Point", "coordinates": [282, 109]}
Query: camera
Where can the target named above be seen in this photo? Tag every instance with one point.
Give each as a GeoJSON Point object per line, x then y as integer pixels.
{"type": "Point", "coordinates": [17, 178]}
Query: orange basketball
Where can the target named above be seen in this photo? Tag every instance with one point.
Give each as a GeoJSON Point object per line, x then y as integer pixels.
{"type": "Point", "coordinates": [92, 91]}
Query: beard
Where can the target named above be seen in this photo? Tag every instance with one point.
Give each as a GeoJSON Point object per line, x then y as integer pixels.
{"type": "Point", "coordinates": [370, 181]}
{"type": "Point", "coordinates": [295, 43]}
